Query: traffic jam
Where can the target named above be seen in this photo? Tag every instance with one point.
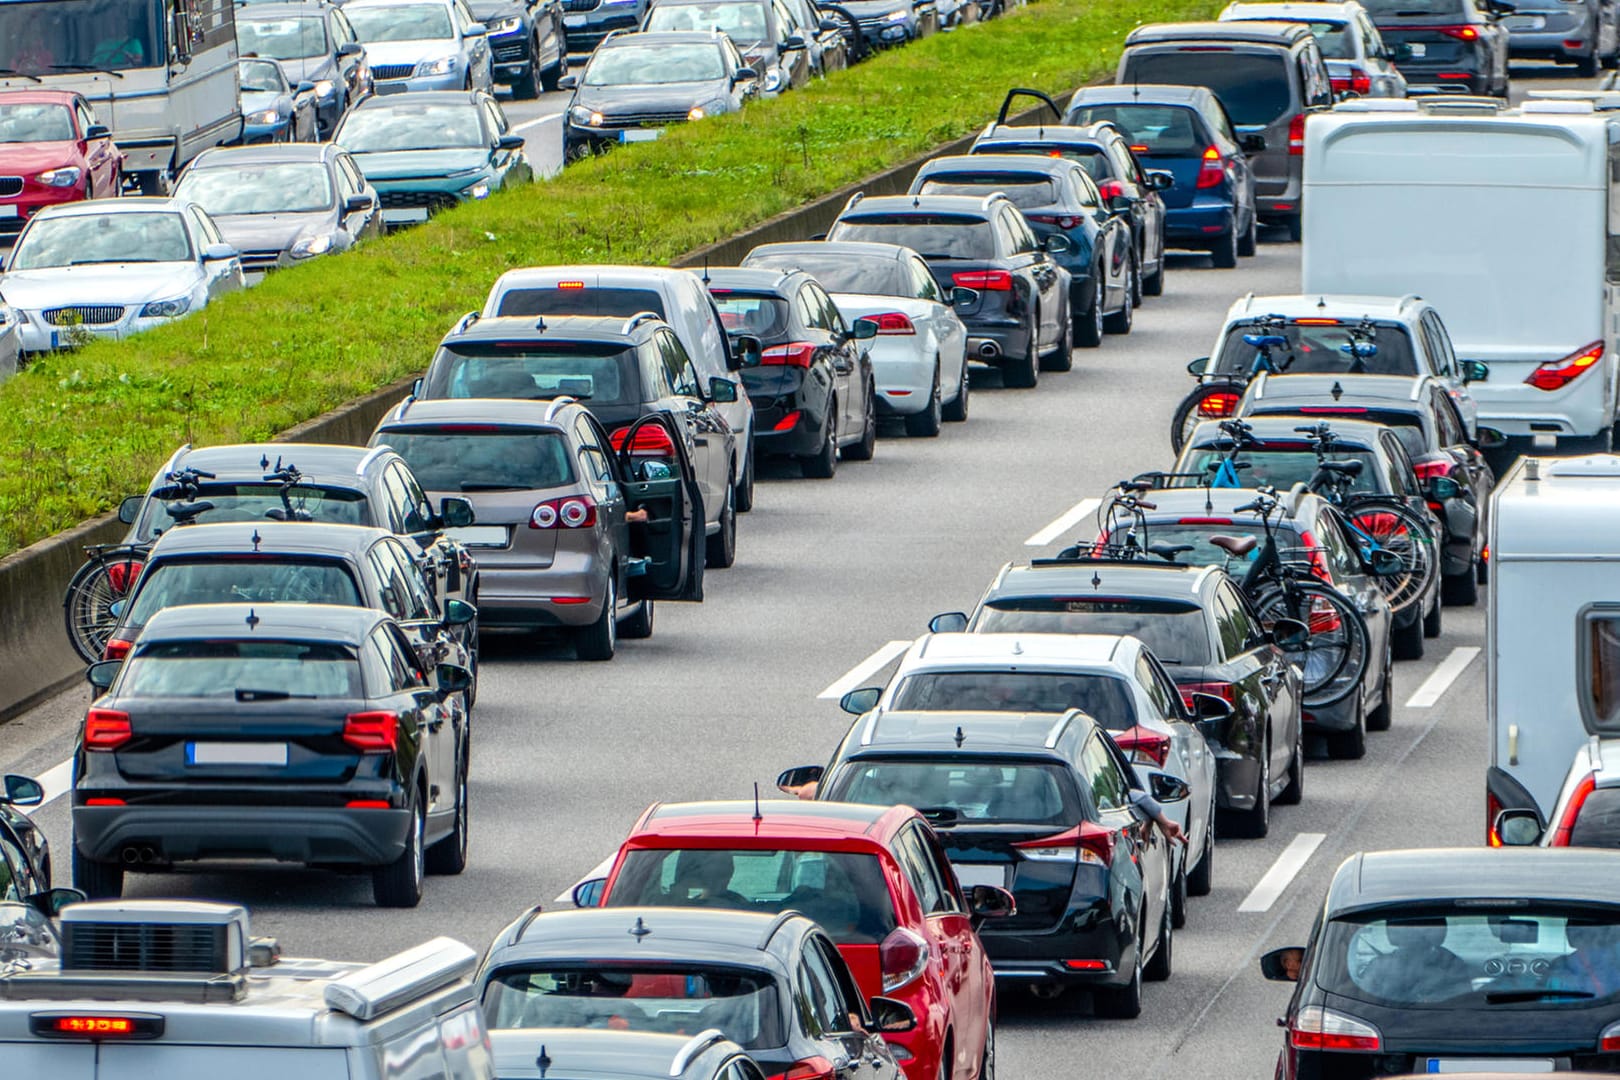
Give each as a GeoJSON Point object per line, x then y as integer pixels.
{"type": "Point", "coordinates": [1071, 819]}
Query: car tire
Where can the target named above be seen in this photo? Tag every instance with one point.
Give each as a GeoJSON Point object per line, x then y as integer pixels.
{"type": "Point", "coordinates": [1158, 969]}
{"type": "Point", "coordinates": [551, 75]}
{"type": "Point", "coordinates": [1153, 284]}
{"type": "Point", "coordinates": [449, 856]}
{"type": "Point", "coordinates": [925, 424]}
{"type": "Point", "coordinates": [1024, 372]}
{"type": "Point", "coordinates": [955, 411]}
{"type": "Point", "coordinates": [1250, 241]}
{"type": "Point", "coordinates": [1587, 66]}
{"type": "Point", "coordinates": [529, 87]}
{"type": "Point", "coordinates": [399, 883]}
{"type": "Point", "coordinates": [1120, 321]}
{"type": "Point", "coordinates": [721, 550]}
{"type": "Point", "coordinates": [823, 464]}
{"type": "Point", "coordinates": [987, 1060]}
{"type": "Point", "coordinates": [97, 880]}
{"type": "Point", "coordinates": [1433, 619]}
{"type": "Point", "coordinates": [639, 625]}
{"type": "Point", "coordinates": [1407, 641]}
{"type": "Point", "coordinates": [1136, 282]}
{"type": "Point", "coordinates": [1460, 590]}
{"type": "Point", "coordinates": [743, 495]}
{"type": "Point", "coordinates": [1255, 822]}
{"type": "Point", "coordinates": [1088, 324]}
{"type": "Point", "coordinates": [600, 640]}
{"type": "Point", "coordinates": [866, 446]}
{"type": "Point", "coordinates": [1201, 876]}
{"type": "Point", "coordinates": [1178, 896]}
{"type": "Point", "coordinates": [1061, 358]}
{"type": "Point", "coordinates": [1350, 745]}
{"type": "Point", "coordinates": [1379, 719]}
{"type": "Point", "coordinates": [1294, 793]}
{"type": "Point", "coordinates": [1121, 1002]}
{"type": "Point", "coordinates": [1224, 253]}
{"type": "Point", "coordinates": [1296, 224]}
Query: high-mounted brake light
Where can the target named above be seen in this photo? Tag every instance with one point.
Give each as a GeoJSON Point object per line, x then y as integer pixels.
{"type": "Point", "coordinates": [1557, 374]}
{"type": "Point", "coordinates": [95, 1026]}
{"type": "Point", "coordinates": [106, 729]}
{"type": "Point", "coordinates": [372, 732]}
{"type": "Point", "coordinates": [570, 284]}
{"type": "Point", "coordinates": [1316, 322]}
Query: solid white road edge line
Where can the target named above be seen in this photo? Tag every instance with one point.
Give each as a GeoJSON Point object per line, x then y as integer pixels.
{"type": "Point", "coordinates": [1284, 870]}
{"type": "Point", "coordinates": [1072, 517]}
{"type": "Point", "coordinates": [527, 124]}
{"type": "Point", "coordinates": [57, 781]}
{"type": "Point", "coordinates": [1440, 680]}
{"type": "Point", "coordinates": [599, 870]}
{"type": "Point", "coordinates": [864, 670]}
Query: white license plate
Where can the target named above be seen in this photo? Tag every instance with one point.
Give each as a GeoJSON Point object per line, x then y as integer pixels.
{"type": "Point", "coordinates": [8, 210]}
{"type": "Point", "coordinates": [236, 753]}
{"type": "Point", "coordinates": [971, 874]}
{"type": "Point", "coordinates": [640, 134]}
{"type": "Point", "coordinates": [1418, 49]}
{"type": "Point", "coordinates": [1525, 22]}
{"type": "Point", "coordinates": [403, 214]}
{"type": "Point", "coordinates": [480, 535]}
{"type": "Point", "coordinates": [1492, 1066]}
{"type": "Point", "coordinates": [573, 20]}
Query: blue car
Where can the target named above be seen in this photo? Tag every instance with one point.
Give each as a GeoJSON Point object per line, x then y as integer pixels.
{"type": "Point", "coordinates": [274, 110]}
{"type": "Point", "coordinates": [1184, 130]}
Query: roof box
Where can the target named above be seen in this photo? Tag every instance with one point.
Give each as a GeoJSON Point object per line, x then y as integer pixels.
{"type": "Point", "coordinates": [402, 978]}
{"type": "Point", "coordinates": [172, 936]}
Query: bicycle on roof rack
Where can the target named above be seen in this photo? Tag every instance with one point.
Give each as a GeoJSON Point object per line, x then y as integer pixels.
{"type": "Point", "coordinates": [1122, 528]}
{"type": "Point", "coordinates": [1216, 396]}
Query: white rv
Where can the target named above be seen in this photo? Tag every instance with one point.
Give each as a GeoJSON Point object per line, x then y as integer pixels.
{"type": "Point", "coordinates": [1505, 219]}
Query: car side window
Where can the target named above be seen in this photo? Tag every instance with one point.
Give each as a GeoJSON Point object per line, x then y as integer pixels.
{"type": "Point", "coordinates": [419, 601]}
{"type": "Point", "coordinates": [1247, 627]}
{"type": "Point", "coordinates": [1227, 630]}
{"type": "Point", "coordinates": [825, 996]}
{"type": "Point", "coordinates": [415, 509]}
{"type": "Point", "coordinates": [401, 672]}
{"type": "Point", "coordinates": [1164, 701]}
{"type": "Point", "coordinates": [923, 280]}
{"type": "Point", "coordinates": [1438, 344]}
{"type": "Point", "coordinates": [939, 866]}
{"type": "Point", "coordinates": [464, 18]}
{"type": "Point", "coordinates": [808, 308]}
{"type": "Point", "coordinates": [1452, 430]}
{"type": "Point", "coordinates": [784, 22]}
{"type": "Point", "coordinates": [496, 116]}
{"type": "Point", "coordinates": [1317, 86]}
{"type": "Point", "coordinates": [351, 171]}
{"type": "Point", "coordinates": [909, 851]}
{"type": "Point", "coordinates": [830, 315]}
{"type": "Point", "coordinates": [1109, 788]}
{"type": "Point", "coordinates": [205, 227]}
{"type": "Point", "coordinates": [345, 32]}
{"type": "Point", "coordinates": [387, 575]}
{"type": "Point", "coordinates": [374, 667]}
{"type": "Point", "coordinates": [1023, 239]}
{"type": "Point", "coordinates": [1400, 466]}
{"type": "Point", "coordinates": [677, 365]}
{"type": "Point", "coordinates": [592, 458]}
{"type": "Point", "coordinates": [13, 871]}
{"type": "Point", "coordinates": [1333, 541]}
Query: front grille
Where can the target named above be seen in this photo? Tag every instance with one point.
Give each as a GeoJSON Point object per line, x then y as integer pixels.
{"type": "Point", "coordinates": [100, 315]}
{"type": "Point", "coordinates": [580, 5]}
{"type": "Point", "coordinates": [143, 947]}
{"type": "Point", "coordinates": [630, 120]}
{"type": "Point", "coordinates": [9, 186]}
{"type": "Point", "coordinates": [514, 53]}
{"type": "Point", "coordinates": [260, 260]}
{"type": "Point", "coordinates": [433, 200]}
{"type": "Point", "coordinates": [392, 71]}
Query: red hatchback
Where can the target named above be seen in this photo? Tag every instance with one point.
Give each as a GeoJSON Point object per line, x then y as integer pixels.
{"type": "Point", "coordinates": [52, 150]}
{"type": "Point", "coordinates": [874, 877]}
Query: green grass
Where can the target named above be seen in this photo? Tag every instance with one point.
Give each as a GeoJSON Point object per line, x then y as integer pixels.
{"type": "Point", "coordinates": [83, 429]}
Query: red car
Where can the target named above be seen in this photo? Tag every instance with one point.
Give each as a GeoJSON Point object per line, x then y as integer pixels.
{"type": "Point", "coordinates": [52, 150]}
{"type": "Point", "coordinates": [874, 877]}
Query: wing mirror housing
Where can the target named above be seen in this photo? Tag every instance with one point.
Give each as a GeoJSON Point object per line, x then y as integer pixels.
{"type": "Point", "coordinates": [722, 391]}
{"type": "Point", "coordinates": [1518, 827]}
{"type": "Point", "coordinates": [864, 329]}
{"type": "Point", "coordinates": [990, 902]}
{"type": "Point", "coordinates": [1161, 179]}
{"type": "Point", "coordinates": [97, 131]}
{"type": "Point", "coordinates": [1290, 635]}
{"type": "Point", "coordinates": [458, 612]}
{"type": "Point", "coordinates": [1166, 788]}
{"type": "Point", "coordinates": [589, 893]}
{"type": "Point", "coordinates": [218, 252]}
{"type": "Point", "coordinates": [830, 26]}
{"type": "Point", "coordinates": [963, 297]}
{"type": "Point", "coordinates": [453, 678]}
{"type": "Point", "coordinates": [864, 700]}
{"type": "Point", "coordinates": [358, 204]}
{"type": "Point", "coordinates": [1488, 438]}
{"type": "Point", "coordinates": [799, 776]}
{"type": "Point", "coordinates": [130, 509]}
{"type": "Point", "coordinates": [1119, 204]}
{"type": "Point", "coordinates": [476, 29]}
{"type": "Point", "coordinates": [509, 143]}
{"type": "Point", "coordinates": [1475, 371]}
{"type": "Point", "coordinates": [23, 791]}
{"type": "Point", "coordinates": [1056, 244]}
{"type": "Point", "coordinates": [51, 902]}
{"type": "Point", "coordinates": [794, 41]}
{"type": "Point", "coordinates": [568, 82]}
{"type": "Point", "coordinates": [1282, 965]}
{"type": "Point", "coordinates": [1253, 143]}
{"type": "Point", "coordinates": [101, 674]}
{"type": "Point", "coordinates": [350, 48]}
{"type": "Point", "coordinates": [1385, 563]}
{"type": "Point", "coordinates": [746, 352]}
{"type": "Point", "coordinates": [1196, 368]}
{"type": "Point", "coordinates": [455, 512]}
{"type": "Point", "coordinates": [304, 87]}
{"type": "Point", "coordinates": [1442, 488]}
{"type": "Point", "coordinates": [891, 1017]}
{"type": "Point", "coordinates": [1210, 707]}
{"type": "Point", "coordinates": [952, 622]}
{"type": "Point", "coordinates": [744, 74]}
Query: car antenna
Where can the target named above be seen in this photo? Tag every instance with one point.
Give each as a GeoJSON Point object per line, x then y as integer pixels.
{"type": "Point", "coordinates": [916, 202]}
{"type": "Point", "coordinates": [543, 1062]}
{"type": "Point", "coordinates": [1321, 303]}
{"type": "Point", "coordinates": [758, 817]}
{"type": "Point", "coordinates": [264, 461]}
{"type": "Point", "coordinates": [1096, 580]}
{"type": "Point", "coordinates": [639, 930]}
{"type": "Point", "coordinates": [959, 737]}
{"type": "Point", "coordinates": [252, 620]}
{"type": "Point", "coordinates": [256, 540]}
{"type": "Point", "coordinates": [705, 271]}
{"type": "Point", "coordinates": [1337, 391]}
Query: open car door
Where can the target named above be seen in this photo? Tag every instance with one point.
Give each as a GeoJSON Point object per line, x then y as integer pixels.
{"type": "Point", "coordinates": [1004, 117]}
{"type": "Point", "coordinates": [657, 476]}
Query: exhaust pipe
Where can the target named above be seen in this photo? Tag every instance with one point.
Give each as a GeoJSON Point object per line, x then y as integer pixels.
{"type": "Point", "coordinates": [130, 855]}
{"type": "Point", "coordinates": [149, 854]}
{"type": "Point", "coordinates": [989, 351]}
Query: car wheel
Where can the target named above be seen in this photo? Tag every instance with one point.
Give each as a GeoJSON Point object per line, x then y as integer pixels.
{"type": "Point", "coordinates": [824, 462]}
{"type": "Point", "coordinates": [1256, 821]}
{"type": "Point", "coordinates": [1408, 640]}
{"type": "Point", "coordinates": [399, 884]}
{"type": "Point", "coordinates": [1120, 321]}
{"type": "Point", "coordinates": [1295, 791]}
{"type": "Point", "coordinates": [1432, 620]}
{"type": "Point", "coordinates": [1296, 224]}
{"type": "Point", "coordinates": [1062, 357]}
{"type": "Point", "coordinates": [550, 76]}
{"type": "Point", "coordinates": [1178, 896]}
{"type": "Point", "coordinates": [97, 880]}
{"type": "Point", "coordinates": [1350, 745]}
{"type": "Point", "coordinates": [1201, 878]}
{"type": "Point", "coordinates": [528, 88]}
{"type": "Point", "coordinates": [1250, 243]}
{"type": "Point", "coordinates": [449, 856]}
{"type": "Point", "coordinates": [599, 640]}
{"type": "Point", "coordinates": [744, 493]}
{"type": "Point", "coordinates": [1460, 590]}
{"type": "Point", "coordinates": [1381, 718]}
{"type": "Point", "coordinates": [1587, 66]}
{"type": "Point", "coordinates": [1024, 372]}
{"type": "Point", "coordinates": [987, 1060]}
{"type": "Point", "coordinates": [1224, 255]}
{"type": "Point", "coordinates": [1153, 284]}
{"type": "Point", "coordinates": [1158, 969]}
{"type": "Point", "coordinates": [867, 445]}
{"type": "Point", "coordinates": [722, 546]}
{"type": "Point", "coordinates": [1088, 325]}
{"type": "Point", "coordinates": [1123, 1002]}
{"type": "Point", "coordinates": [1136, 282]}
{"type": "Point", "coordinates": [956, 410]}
{"type": "Point", "coordinates": [640, 624]}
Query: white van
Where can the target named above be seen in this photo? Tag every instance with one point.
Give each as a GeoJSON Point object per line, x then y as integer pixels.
{"type": "Point", "coordinates": [180, 991]}
{"type": "Point", "coordinates": [1552, 625]}
{"type": "Point", "coordinates": [1507, 220]}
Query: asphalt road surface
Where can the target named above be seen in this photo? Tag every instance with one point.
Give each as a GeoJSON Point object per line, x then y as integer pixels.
{"type": "Point", "coordinates": [567, 754]}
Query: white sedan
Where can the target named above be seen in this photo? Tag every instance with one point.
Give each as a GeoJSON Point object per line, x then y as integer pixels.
{"type": "Point", "coordinates": [919, 357]}
{"type": "Point", "coordinates": [111, 268]}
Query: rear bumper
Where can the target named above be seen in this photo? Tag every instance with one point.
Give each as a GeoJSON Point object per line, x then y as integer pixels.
{"type": "Point", "coordinates": [1009, 337]}
{"type": "Point", "coordinates": [527, 599]}
{"type": "Point", "coordinates": [902, 373]}
{"type": "Point", "coordinates": [804, 437]}
{"type": "Point", "coordinates": [1583, 408]}
{"type": "Point", "coordinates": [283, 833]}
{"type": "Point", "coordinates": [1085, 933]}
{"type": "Point", "coordinates": [1200, 223]}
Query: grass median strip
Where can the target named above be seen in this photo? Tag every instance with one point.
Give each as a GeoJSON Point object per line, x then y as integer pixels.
{"type": "Point", "coordinates": [83, 429]}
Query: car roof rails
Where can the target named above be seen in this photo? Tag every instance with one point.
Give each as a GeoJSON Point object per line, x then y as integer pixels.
{"type": "Point", "coordinates": [558, 403]}
{"type": "Point", "coordinates": [637, 319]}
{"type": "Point", "coordinates": [695, 1046]}
{"type": "Point", "coordinates": [465, 322]}
{"type": "Point", "coordinates": [985, 203]}
{"type": "Point", "coordinates": [1460, 104]}
{"type": "Point", "coordinates": [850, 203]}
{"type": "Point", "coordinates": [1059, 726]}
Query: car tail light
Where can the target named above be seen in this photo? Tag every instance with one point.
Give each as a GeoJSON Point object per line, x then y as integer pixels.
{"type": "Point", "coordinates": [1461, 33]}
{"type": "Point", "coordinates": [106, 729]}
{"type": "Point", "coordinates": [1609, 1041]}
{"type": "Point", "coordinates": [1433, 468]}
{"type": "Point", "coordinates": [121, 575]}
{"type": "Point", "coordinates": [570, 284]}
{"type": "Point", "coordinates": [1212, 169]}
{"type": "Point", "coordinates": [1062, 222]}
{"type": "Point", "coordinates": [810, 1068]}
{"type": "Point", "coordinates": [797, 354]}
{"type": "Point", "coordinates": [1566, 822]}
{"type": "Point", "coordinates": [651, 440]}
{"type": "Point", "coordinates": [1222, 403]}
{"type": "Point", "coordinates": [1323, 617]}
{"type": "Point", "coordinates": [893, 322]}
{"type": "Point", "coordinates": [1203, 521]}
{"type": "Point", "coordinates": [1557, 374]}
{"type": "Point", "coordinates": [372, 732]}
{"type": "Point", "coordinates": [116, 649]}
{"type": "Point", "coordinates": [1110, 188]}
{"type": "Point", "coordinates": [1296, 135]}
{"type": "Point", "coordinates": [1316, 1028]}
{"type": "Point", "coordinates": [1315, 320]}
{"type": "Point", "coordinates": [1317, 557]}
{"type": "Point", "coordinates": [1086, 965]}
{"type": "Point", "coordinates": [984, 280]}
{"type": "Point", "coordinates": [902, 957]}
{"type": "Point", "coordinates": [788, 422]}
{"type": "Point", "coordinates": [1493, 809]}
{"type": "Point", "coordinates": [1087, 842]}
{"type": "Point", "coordinates": [98, 1027]}
{"type": "Point", "coordinates": [1358, 82]}
{"type": "Point", "coordinates": [572, 512]}
{"type": "Point", "coordinates": [1150, 744]}
{"type": "Point", "coordinates": [1223, 690]}
{"type": "Point", "coordinates": [368, 804]}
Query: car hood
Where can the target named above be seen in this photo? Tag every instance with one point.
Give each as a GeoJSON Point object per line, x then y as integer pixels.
{"type": "Point", "coordinates": [313, 68]}
{"type": "Point", "coordinates": [487, 13]}
{"type": "Point", "coordinates": [396, 164]}
{"type": "Point", "coordinates": [103, 283]}
{"type": "Point", "coordinates": [258, 100]}
{"type": "Point", "coordinates": [666, 97]}
{"type": "Point", "coordinates": [25, 159]}
{"type": "Point", "coordinates": [383, 53]}
{"type": "Point", "coordinates": [270, 232]}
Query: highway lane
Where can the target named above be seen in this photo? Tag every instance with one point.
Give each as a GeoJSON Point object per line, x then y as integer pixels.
{"type": "Point", "coordinates": [540, 122]}
{"type": "Point", "coordinates": [726, 694]}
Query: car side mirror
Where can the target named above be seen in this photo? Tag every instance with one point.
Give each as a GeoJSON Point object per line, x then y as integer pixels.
{"type": "Point", "coordinates": [744, 74]}
{"type": "Point", "coordinates": [1290, 634]}
{"type": "Point", "coordinates": [1161, 180]}
{"type": "Point", "coordinates": [1253, 143]}
{"type": "Point", "coordinates": [952, 622]}
{"type": "Point", "coordinates": [358, 204]}
{"type": "Point", "coordinates": [891, 1017]}
{"type": "Point", "coordinates": [350, 48]}
{"type": "Point", "coordinates": [476, 29]}
{"type": "Point", "coordinates": [864, 700]}
{"type": "Point", "coordinates": [1385, 563]}
{"type": "Point", "coordinates": [1521, 827]}
{"type": "Point", "coordinates": [962, 296]}
{"type": "Point", "coordinates": [23, 790]}
{"type": "Point", "coordinates": [1210, 707]}
{"type": "Point", "coordinates": [130, 509]}
{"type": "Point", "coordinates": [1282, 965]}
{"type": "Point", "coordinates": [1196, 368]}
{"type": "Point", "coordinates": [746, 352]}
{"type": "Point", "coordinates": [416, 388]}
{"type": "Point", "coordinates": [97, 131]}
{"type": "Point", "coordinates": [864, 329]}
{"type": "Point", "coordinates": [829, 26]}
{"type": "Point", "coordinates": [1056, 244]}
{"type": "Point", "coordinates": [218, 252]}
{"type": "Point", "coordinates": [509, 142]}
{"type": "Point", "coordinates": [1488, 438]}
{"type": "Point", "coordinates": [1119, 204]}
{"type": "Point", "coordinates": [722, 391]}
{"type": "Point", "coordinates": [455, 512]}
{"type": "Point", "coordinates": [1442, 488]}
{"type": "Point", "coordinates": [800, 776]}
{"type": "Point", "coordinates": [589, 893]}
{"type": "Point", "coordinates": [101, 674]}
{"type": "Point", "coordinates": [51, 902]}
{"type": "Point", "coordinates": [453, 678]}
{"type": "Point", "coordinates": [458, 613]}
{"type": "Point", "coordinates": [794, 41]}
{"type": "Point", "coordinates": [990, 902]}
{"type": "Point", "coordinates": [304, 87]}
{"type": "Point", "coordinates": [1168, 789]}
{"type": "Point", "coordinates": [1475, 371]}
{"type": "Point", "coordinates": [568, 82]}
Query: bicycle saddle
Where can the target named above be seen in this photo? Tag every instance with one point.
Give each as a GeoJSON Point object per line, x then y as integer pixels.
{"type": "Point", "coordinates": [1363, 349]}
{"type": "Point", "coordinates": [1343, 468]}
{"type": "Point", "coordinates": [183, 513]}
{"type": "Point", "coordinates": [1169, 552]}
{"type": "Point", "coordinates": [1236, 546]}
{"type": "Point", "coordinates": [1265, 341]}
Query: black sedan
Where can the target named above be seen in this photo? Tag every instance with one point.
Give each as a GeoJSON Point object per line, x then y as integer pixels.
{"type": "Point", "coordinates": [813, 391]}
{"type": "Point", "coordinates": [1057, 197]}
{"type": "Point", "coordinates": [314, 43]}
{"type": "Point", "coordinates": [1457, 960]}
{"type": "Point", "coordinates": [528, 50]}
{"type": "Point", "coordinates": [283, 205]}
{"type": "Point", "coordinates": [1021, 321]}
{"type": "Point", "coordinates": [635, 85]}
{"type": "Point", "coordinates": [667, 969]}
{"type": "Point", "coordinates": [761, 30]}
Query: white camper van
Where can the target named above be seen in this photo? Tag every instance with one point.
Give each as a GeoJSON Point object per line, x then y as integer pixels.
{"type": "Point", "coordinates": [1505, 219]}
{"type": "Point", "coordinates": [1552, 624]}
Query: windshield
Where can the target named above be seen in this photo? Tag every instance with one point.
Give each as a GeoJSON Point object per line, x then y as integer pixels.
{"type": "Point", "coordinates": [260, 75]}
{"type": "Point", "coordinates": [843, 891]}
{"type": "Point", "coordinates": [35, 123]}
{"type": "Point", "coordinates": [402, 125]}
{"type": "Point", "coordinates": [743, 22]}
{"type": "Point", "coordinates": [1523, 953]}
{"type": "Point", "coordinates": [601, 373]}
{"type": "Point", "coordinates": [479, 457]}
{"type": "Point", "coordinates": [261, 502]}
{"type": "Point", "coordinates": [293, 188]}
{"type": "Point", "coordinates": [225, 580]}
{"type": "Point", "coordinates": [1176, 630]}
{"type": "Point", "coordinates": [1318, 347]}
{"type": "Point", "coordinates": [619, 303]}
{"type": "Point", "coordinates": [933, 236]}
{"type": "Point", "coordinates": [654, 65]}
{"type": "Point", "coordinates": [673, 998]}
{"type": "Point", "coordinates": [1167, 130]}
{"type": "Point", "coordinates": [842, 273]}
{"type": "Point", "coordinates": [764, 315]}
{"type": "Point", "coordinates": [400, 22]}
{"type": "Point", "coordinates": [282, 38]}
{"type": "Point", "coordinates": [48, 37]}
{"type": "Point", "coordinates": [1027, 191]}
{"type": "Point", "coordinates": [76, 239]}
{"type": "Point", "coordinates": [981, 791]}
{"type": "Point", "coordinates": [223, 669]}
{"type": "Point", "coordinates": [1254, 87]}
{"type": "Point", "coordinates": [1090, 158]}
{"type": "Point", "coordinates": [1104, 698]}
{"type": "Point", "coordinates": [1280, 465]}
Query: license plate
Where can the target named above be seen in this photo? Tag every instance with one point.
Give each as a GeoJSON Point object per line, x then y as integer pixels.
{"type": "Point", "coordinates": [8, 210]}
{"type": "Point", "coordinates": [1525, 22]}
{"type": "Point", "coordinates": [403, 214]}
{"type": "Point", "coordinates": [1492, 1066]}
{"type": "Point", "coordinates": [640, 134]}
{"type": "Point", "coordinates": [236, 753]}
{"type": "Point", "coordinates": [480, 535]}
{"type": "Point", "coordinates": [971, 874]}
{"type": "Point", "coordinates": [1418, 49]}
{"type": "Point", "coordinates": [573, 21]}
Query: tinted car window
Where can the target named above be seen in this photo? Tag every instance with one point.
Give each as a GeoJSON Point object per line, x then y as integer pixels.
{"type": "Point", "coordinates": [1173, 629]}
{"type": "Point", "coordinates": [765, 315]}
{"type": "Point", "coordinates": [1254, 87]}
{"type": "Point", "coordinates": [246, 670]}
{"type": "Point", "coordinates": [1385, 8]}
{"type": "Point", "coordinates": [981, 792]}
{"type": "Point", "coordinates": [1282, 465]}
{"type": "Point", "coordinates": [1027, 191]}
{"type": "Point", "coordinates": [1318, 349]}
{"type": "Point", "coordinates": [1089, 157]}
{"type": "Point", "coordinates": [618, 303]}
{"type": "Point", "coordinates": [842, 273]}
{"type": "Point", "coordinates": [1108, 787]}
{"type": "Point", "coordinates": [452, 458]}
{"type": "Point", "coordinates": [602, 373]}
{"type": "Point", "coordinates": [171, 583]}
{"type": "Point", "coordinates": [1104, 698]}
{"type": "Point", "coordinates": [956, 236]}
{"type": "Point", "coordinates": [1152, 129]}
{"type": "Point", "coordinates": [254, 502]}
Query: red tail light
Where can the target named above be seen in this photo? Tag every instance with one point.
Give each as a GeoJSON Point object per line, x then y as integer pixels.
{"type": "Point", "coordinates": [1316, 1028]}
{"type": "Point", "coordinates": [984, 280]}
{"type": "Point", "coordinates": [1212, 169]}
{"type": "Point", "coordinates": [1296, 135]}
{"type": "Point", "coordinates": [810, 1068]}
{"type": "Point", "coordinates": [651, 439]}
{"type": "Point", "coordinates": [1461, 33]}
{"type": "Point", "coordinates": [1064, 222]}
{"type": "Point", "coordinates": [1109, 188]}
{"type": "Point", "coordinates": [788, 422]}
{"type": "Point", "coordinates": [372, 732]}
{"type": "Point", "coordinates": [106, 729]}
{"type": "Point", "coordinates": [1433, 469]}
{"type": "Point", "coordinates": [368, 804]}
{"type": "Point", "coordinates": [1566, 823]}
{"type": "Point", "coordinates": [1220, 404]}
{"type": "Point", "coordinates": [105, 802]}
{"type": "Point", "coordinates": [1323, 618]}
{"type": "Point", "coordinates": [116, 649]}
{"type": "Point", "coordinates": [1087, 842]}
{"type": "Point", "coordinates": [1317, 557]}
{"type": "Point", "coordinates": [1086, 965]}
{"type": "Point", "coordinates": [1358, 82]}
{"type": "Point", "coordinates": [121, 575]}
{"type": "Point", "coordinates": [574, 512]}
{"type": "Point", "coordinates": [1223, 690]}
{"type": "Point", "coordinates": [893, 322]}
{"type": "Point", "coordinates": [1203, 521]}
{"type": "Point", "coordinates": [1557, 374]}
{"type": "Point", "coordinates": [797, 354]}
{"type": "Point", "coordinates": [902, 957]}
{"type": "Point", "coordinates": [1145, 741]}
{"type": "Point", "coordinates": [1493, 807]}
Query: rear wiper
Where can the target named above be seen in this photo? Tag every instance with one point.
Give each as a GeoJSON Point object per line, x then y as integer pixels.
{"type": "Point", "coordinates": [8, 72]}
{"type": "Point", "coordinates": [474, 485]}
{"type": "Point", "coordinates": [939, 815]}
{"type": "Point", "coordinates": [269, 695]}
{"type": "Point", "coordinates": [87, 69]}
{"type": "Point", "coordinates": [1514, 997]}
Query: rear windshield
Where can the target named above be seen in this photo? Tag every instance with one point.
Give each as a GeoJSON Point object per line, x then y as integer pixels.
{"type": "Point", "coordinates": [980, 792]}
{"type": "Point", "coordinates": [1523, 955]}
{"type": "Point", "coordinates": [1106, 699]}
{"type": "Point", "coordinates": [1090, 158]}
{"type": "Point", "coordinates": [1407, 426]}
{"type": "Point", "coordinates": [1383, 9]}
{"type": "Point", "coordinates": [1253, 86]}
{"type": "Point", "coordinates": [246, 670]}
{"type": "Point", "coordinates": [1280, 465]}
{"type": "Point", "coordinates": [933, 236]}
{"type": "Point", "coordinates": [620, 303]}
{"type": "Point", "coordinates": [843, 891]}
{"type": "Point", "coordinates": [765, 315]}
{"type": "Point", "coordinates": [1165, 130]}
{"type": "Point", "coordinates": [463, 458]}
{"type": "Point", "coordinates": [1331, 36]}
{"type": "Point", "coordinates": [602, 373]}
{"type": "Point", "coordinates": [1204, 553]}
{"type": "Point", "coordinates": [1176, 630]}
{"type": "Point", "coordinates": [1026, 191]}
{"type": "Point", "coordinates": [841, 273]}
{"type": "Point", "coordinates": [671, 998]}
{"type": "Point", "coordinates": [1319, 348]}
{"type": "Point", "coordinates": [1598, 822]}
{"type": "Point", "coordinates": [261, 502]}
{"type": "Point", "coordinates": [240, 581]}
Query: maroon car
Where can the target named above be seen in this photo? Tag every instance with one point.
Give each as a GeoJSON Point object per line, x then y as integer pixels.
{"type": "Point", "coordinates": [52, 150]}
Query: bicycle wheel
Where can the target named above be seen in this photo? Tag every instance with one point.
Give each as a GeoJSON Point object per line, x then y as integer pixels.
{"type": "Point", "coordinates": [1397, 528]}
{"type": "Point", "coordinates": [87, 607]}
{"type": "Point", "coordinates": [1207, 401]}
{"type": "Point", "coordinates": [1337, 654]}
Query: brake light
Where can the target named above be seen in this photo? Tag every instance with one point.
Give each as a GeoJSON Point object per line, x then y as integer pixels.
{"type": "Point", "coordinates": [1086, 965]}
{"type": "Point", "coordinates": [1566, 823]}
{"type": "Point", "coordinates": [95, 1027]}
{"type": "Point", "coordinates": [1211, 170]}
{"type": "Point", "coordinates": [372, 732]}
{"type": "Point", "coordinates": [1087, 842]}
{"type": "Point", "coordinates": [121, 575]}
{"type": "Point", "coordinates": [573, 512]}
{"type": "Point", "coordinates": [797, 354]}
{"type": "Point", "coordinates": [1064, 222]}
{"type": "Point", "coordinates": [368, 804]}
{"type": "Point", "coordinates": [1316, 322]}
{"type": "Point", "coordinates": [570, 284]}
{"type": "Point", "coordinates": [1461, 33]}
{"type": "Point", "coordinates": [105, 802]}
{"type": "Point", "coordinates": [902, 957]}
{"type": "Point", "coordinates": [116, 649]}
{"type": "Point", "coordinates": [1323, 617]}
{"type": "Point", "coordinates": [1332, 410]}
{"type": "Point", "coordinates": [984, 280]}
{"type": "Point", "coordinates": [1203, 521]}
{"type": "Point", "coordinates": [651, 440]}
{"type": "Point", "coordinates": [893, 322]}
{"type": "Point", "coordinates": [1493, 808]}
{"type": "Point", "coordinates": [1557, 374]}
{"type": "Point", "coordinates": [1317, 557]}
{"type": "Point", "coordinates": [1223, 690]}
{"type": "Point", "coordinates": [1109, 188]}
{"type": "Point", "coordinates": [1316, 1028]}
{"type": "Point", "coordinates": [1609, 1041]}
{"type": "Point", "coordinates": [1433, 469]}
{"type": "Point", "coordinates": [810, 1068]}
{"type": "Point", "coordinates": [1359, 82]}
{"type": "Point", "coordinates": [788, 422]}
{"type": "Point", "coordinates": [1153, 745]}
{"type": "Point", "coordinates": [106, 729]}
{"type": "Point", "coordinates": [1219, 404]}
{"type": "Point", "coordinates": [1296, 135]}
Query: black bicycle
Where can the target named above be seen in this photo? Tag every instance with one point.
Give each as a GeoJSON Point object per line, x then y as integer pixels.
{"type": "Point", "coordinates": [1216, 396]}
{"type": "Point", "coordinates": [1122, 528]}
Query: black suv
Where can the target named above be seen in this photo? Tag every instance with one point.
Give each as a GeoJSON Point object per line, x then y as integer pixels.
{"type": "Point", "coordinates": [303, 733]}
{"type": "Point", "coordinates": [619, 369]}
{"type": "Point", "coordinates": [527, 48]}
{"type": "Point", "coordinates": [1447, 46]}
